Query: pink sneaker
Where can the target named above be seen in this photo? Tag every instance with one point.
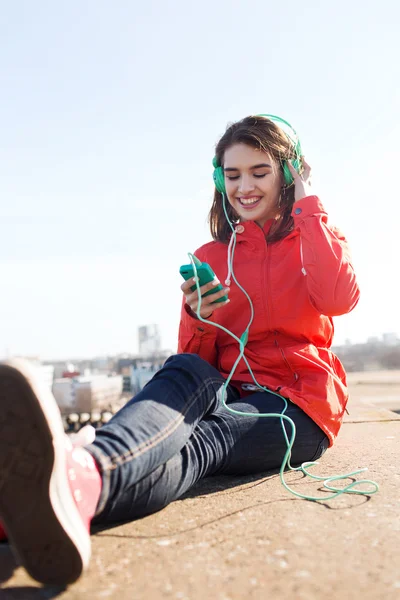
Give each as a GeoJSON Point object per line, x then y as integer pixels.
{"type": "Point", "coordinates": [48, 490]}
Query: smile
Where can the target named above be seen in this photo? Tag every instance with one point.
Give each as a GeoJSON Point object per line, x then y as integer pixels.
{"type": "Point", "coordinates": [249, 202]}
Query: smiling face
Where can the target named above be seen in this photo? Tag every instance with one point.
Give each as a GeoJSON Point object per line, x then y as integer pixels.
{"type": "Point", "coordinates": [253, 182]}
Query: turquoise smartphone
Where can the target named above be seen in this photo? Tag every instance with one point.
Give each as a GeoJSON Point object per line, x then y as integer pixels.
{"type": "Point", "coordinates": [205, 275]}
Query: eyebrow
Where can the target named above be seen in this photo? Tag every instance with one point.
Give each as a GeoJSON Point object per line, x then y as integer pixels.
{"type": "Point", "coordinates": [253, 167]}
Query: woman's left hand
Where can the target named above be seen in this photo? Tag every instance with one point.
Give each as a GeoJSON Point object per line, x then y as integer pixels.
{"type": "Point", "coordinates": [302, 183]}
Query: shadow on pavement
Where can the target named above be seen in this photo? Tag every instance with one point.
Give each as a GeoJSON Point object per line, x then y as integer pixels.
{"type": "Point", "coordinates": [8, 565]}
{"type": "Point", "coordinates": [29, 593]}
{"type": "Point", "coordinates": [226, 484]}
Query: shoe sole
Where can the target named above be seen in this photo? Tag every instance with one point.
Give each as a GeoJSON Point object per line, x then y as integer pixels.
{"type": "Point", "coordinates": [37, 507]}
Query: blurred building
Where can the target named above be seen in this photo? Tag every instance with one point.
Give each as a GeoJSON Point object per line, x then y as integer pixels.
{"type": "Point", "coordinates": [390, 339]}
{"type": "Point", "coordinates": [149, 341]}
{"type": "Point", "coordinates": [45, 372]}
{"type": "Point", "coordinates": [141, 375]}
{"type": "Point", "coordinates": [85, 394]}
{"type": "Point", "coordinates": [379, 352]}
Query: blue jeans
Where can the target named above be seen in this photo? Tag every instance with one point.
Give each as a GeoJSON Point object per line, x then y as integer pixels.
{"type": "Point", "coordinates": [176, 431]}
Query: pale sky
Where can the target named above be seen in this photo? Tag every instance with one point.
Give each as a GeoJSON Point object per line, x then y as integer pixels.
{"type": "Point", "coordinates": [110, 112]}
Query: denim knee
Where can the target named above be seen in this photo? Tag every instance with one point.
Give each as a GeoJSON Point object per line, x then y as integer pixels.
{"type": "Point", "coordinates": [188, 361]}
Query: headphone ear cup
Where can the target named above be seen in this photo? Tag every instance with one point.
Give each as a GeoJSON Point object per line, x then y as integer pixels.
{"type": "Point", "coordinates": [219, 180]}
{"type": "Point", "coordinates": [287, 176]}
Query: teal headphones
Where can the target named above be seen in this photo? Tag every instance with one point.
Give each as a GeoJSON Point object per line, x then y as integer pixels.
{"type": "Point", "coordinates": [218, 175]}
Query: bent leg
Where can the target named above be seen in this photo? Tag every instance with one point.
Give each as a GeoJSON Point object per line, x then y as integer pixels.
{"type": "Point", "coordinates": [156, 424]}
{"type": "Point", "coordinates": [221, 443]}
{"type": "Point", "coordinates": [260, 444]}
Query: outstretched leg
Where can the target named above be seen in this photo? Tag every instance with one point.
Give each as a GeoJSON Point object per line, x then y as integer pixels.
{"type": "Point", "coordinates": [157, 423]}
{"type": "Point", "coordinates": [50, 531]}
{"type": "Point", "coordinates": [48, 490]}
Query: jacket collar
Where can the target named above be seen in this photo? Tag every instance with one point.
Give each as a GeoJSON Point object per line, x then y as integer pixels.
{"type": "Point", "coordinates": [249, 230]}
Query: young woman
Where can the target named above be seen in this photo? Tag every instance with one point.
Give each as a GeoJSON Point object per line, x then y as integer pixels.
{"type": "Point", "coordinates": [296, 270]}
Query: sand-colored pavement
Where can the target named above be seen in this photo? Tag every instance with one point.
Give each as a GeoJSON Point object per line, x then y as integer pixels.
{"type": "Point", "coordinates": [234, 538]}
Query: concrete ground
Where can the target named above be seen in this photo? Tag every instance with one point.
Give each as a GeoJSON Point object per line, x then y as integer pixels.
{"type": "Point", "coordinates": [247, 537]}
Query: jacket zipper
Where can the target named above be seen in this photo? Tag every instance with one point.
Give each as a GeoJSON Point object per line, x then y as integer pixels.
{"type": "Point", "coordinates": [266, 271]}
{"type": "Point", "coordinates": [295, 375]}
{"type": "Point", "coordinates": [264, 291]}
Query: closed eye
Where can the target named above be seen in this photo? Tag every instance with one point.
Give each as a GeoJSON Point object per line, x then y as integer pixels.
{"type": "Point", "coordinates": [234, 177]}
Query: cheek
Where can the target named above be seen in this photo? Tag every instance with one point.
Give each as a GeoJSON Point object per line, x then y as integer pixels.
{"type": "Point", "coordinates": [278, 182]}
{"type": "Point", "coordinates": [231, 190]}
{"type": "Point", "coordinates": [272, 187]}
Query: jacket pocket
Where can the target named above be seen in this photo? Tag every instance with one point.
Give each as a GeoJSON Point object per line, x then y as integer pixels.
{"type": "Point", "coordinates": [294, 376]}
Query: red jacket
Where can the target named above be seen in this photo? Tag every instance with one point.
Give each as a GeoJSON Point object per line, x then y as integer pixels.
{"type": "Point", "coordinates": [296, 285]}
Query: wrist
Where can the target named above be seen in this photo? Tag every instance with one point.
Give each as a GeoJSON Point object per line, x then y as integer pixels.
{"type": "Point", "coordinates": [207, 316]}
{"type": "Point", "coordinates": [193, 314]}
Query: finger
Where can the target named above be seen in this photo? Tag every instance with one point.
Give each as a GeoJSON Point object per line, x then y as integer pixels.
{"type": "Point", "coordinates": [292, 170]}
{"type": "Point", "coordinates": [220, 304]}
{"type": "Point", "coordinates": [207, 311]}
{"type": "Point", "coordinates": [303, 160]}
{"type": "Point", "coordinates": [206, 302]}
{"type": "Point", "coordinates": [209, 286]}
{"type": "Point", "coordinates": [189, 283]}
{"type": "Point", "coordinates": [220, 294]}
{"type": "Point", "coordinates": [306, 167]}
{"type": "Point", "coordinates": [186, 285]}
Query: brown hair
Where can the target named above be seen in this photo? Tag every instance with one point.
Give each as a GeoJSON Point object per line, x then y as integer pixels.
{"type": "Point", "coordinates": [264, 135]}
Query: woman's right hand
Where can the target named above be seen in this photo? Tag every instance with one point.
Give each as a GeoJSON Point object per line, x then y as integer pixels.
{"type": "Point", "coordinates": [207, 308]}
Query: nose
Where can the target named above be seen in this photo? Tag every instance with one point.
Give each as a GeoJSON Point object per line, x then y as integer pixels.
{"type": "Point", "coordinates": [246, 184]}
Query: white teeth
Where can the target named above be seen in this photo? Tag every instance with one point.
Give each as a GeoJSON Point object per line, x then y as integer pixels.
{"type": "Point", "coordinates": [249, 200]}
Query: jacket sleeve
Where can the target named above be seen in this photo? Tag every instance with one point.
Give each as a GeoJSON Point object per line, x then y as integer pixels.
{"type": "Point", "coordinates": [325, 258]}
{"type": "Point", "coordinates": [196, 337]}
